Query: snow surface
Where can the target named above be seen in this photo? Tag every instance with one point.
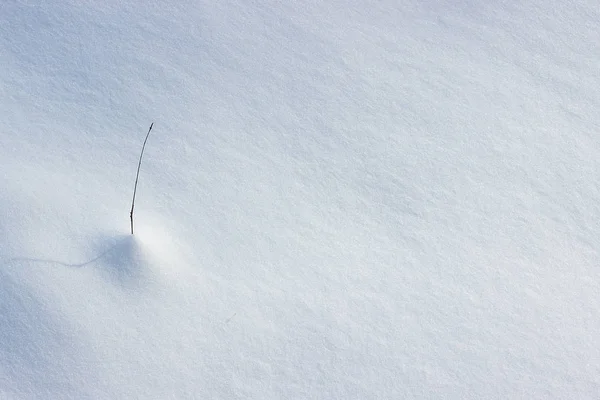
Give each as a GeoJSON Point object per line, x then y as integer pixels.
{"type": "Point", "coordinates": [339, 200]}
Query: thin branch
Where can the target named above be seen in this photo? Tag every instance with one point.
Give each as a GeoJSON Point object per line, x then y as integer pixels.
{"type": "Point", "coordinates": [137, 175]}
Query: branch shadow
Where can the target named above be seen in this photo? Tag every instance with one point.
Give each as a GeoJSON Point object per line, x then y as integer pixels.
{"type": "Point", "coordinates": [121, 256]}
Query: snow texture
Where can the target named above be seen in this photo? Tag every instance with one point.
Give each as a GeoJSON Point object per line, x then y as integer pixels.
{"type": "Point", "coordinates": [340, 199]}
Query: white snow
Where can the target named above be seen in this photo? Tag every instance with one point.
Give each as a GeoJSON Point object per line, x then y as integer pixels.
{"type": "Point", "coordinates": [339, 200]}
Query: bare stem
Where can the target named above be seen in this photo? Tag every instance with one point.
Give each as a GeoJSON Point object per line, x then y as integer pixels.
{"type": "Point", "coordinates": [137, 175]}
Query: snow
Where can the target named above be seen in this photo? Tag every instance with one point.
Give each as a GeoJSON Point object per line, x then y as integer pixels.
{"type": "Point", "coordinates": [338, 200]}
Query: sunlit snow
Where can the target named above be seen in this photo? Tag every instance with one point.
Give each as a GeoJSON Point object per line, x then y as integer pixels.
{"type": "Point", "coordinates": [339, 199]}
